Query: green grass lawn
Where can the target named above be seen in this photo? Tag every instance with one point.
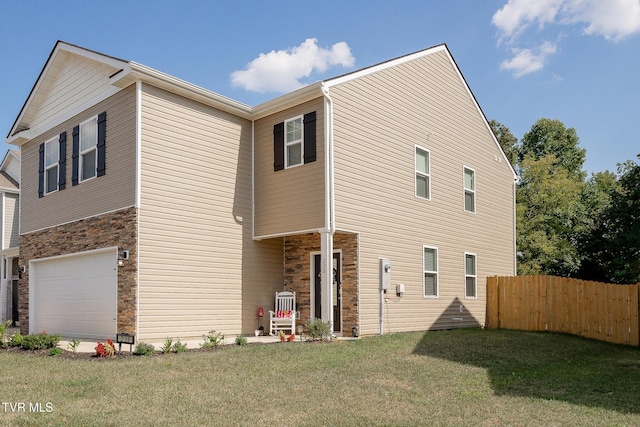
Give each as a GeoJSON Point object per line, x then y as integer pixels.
{"type": "Point", "coordinates": [451, 378]}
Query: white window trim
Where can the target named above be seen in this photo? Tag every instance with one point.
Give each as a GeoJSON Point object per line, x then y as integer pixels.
{"type": "Point", "coordinates": [81, 152]}
{"type": "Point", "coordinates": [475, 276]}
{"type": "Point", "coordinates": [437, 295]}
{"type": "Point", "coordinates": [464, 189]}
{"type": "Point", "coordinates": [56, 164]}
{"type": "Point", "coordinates": [297, 141]}
{"type": "Point", "coordinates": [428, 175]}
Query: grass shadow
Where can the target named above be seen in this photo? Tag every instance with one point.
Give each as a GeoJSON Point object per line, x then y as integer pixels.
{"type": "Point", "coordinates": [545, 365]}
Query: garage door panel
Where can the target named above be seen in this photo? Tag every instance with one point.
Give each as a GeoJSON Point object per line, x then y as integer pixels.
{"type": "Point", "coordinates": [76, 296]}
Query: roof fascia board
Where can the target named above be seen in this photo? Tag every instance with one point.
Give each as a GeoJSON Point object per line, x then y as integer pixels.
{"type": "Point", "coordinates": [291, 99]}
{"type": "Point", "coordinates": [384, 65]}
{"type": "Point", "coordinates": [173, 84]}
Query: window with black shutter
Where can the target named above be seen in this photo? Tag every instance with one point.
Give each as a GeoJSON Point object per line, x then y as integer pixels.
{"type": "Point", "coordinates": [294, 141]}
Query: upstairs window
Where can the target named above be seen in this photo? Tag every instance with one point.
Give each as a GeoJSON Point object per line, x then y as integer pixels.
{"type": "Point", "coordinates": [51, 167]}
{"type": "Point", "coordinates": [430, 267]}
{"type": "Point", "coordinates": [469, 190]}
{"type": "Point", "coordinates": [470, 288]}
{"type": "Point", "coordinates": [294, 142]}
{"type": "Point", "coordinates": [294, 149]}
{"type": "Point", "coordinates": [88, 149]}
{"type": "Point", "coordinates": [423, 176]}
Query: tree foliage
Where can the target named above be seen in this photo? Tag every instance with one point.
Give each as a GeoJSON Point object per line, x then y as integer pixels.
{"type": "Point", "coordinates": [507, 141]}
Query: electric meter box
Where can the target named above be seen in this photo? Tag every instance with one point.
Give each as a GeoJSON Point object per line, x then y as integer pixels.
{"type": "Point", "coordinates": [384, 274]}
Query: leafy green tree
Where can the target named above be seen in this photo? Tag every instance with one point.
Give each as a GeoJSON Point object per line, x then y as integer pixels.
{"type": "Point", "coordinates": [549, 136]}
{"type": "Point", "coordinates": [507, 141]}
{"type": "Point", "coordinates": [621, 230]}
{"type": "Point", "coordinates": [548, 206]}
{"type": "Point", "coordinates": [593, 234]}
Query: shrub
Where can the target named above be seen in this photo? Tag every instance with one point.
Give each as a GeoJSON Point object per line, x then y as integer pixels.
{"type": "Point", "coordinates": [143, 349]}
{"type": "Point", "coordinates": [16, 340]}
{"type": "Point", "coordinates": [55, 351]}
{"type": "Point", "coordinates": [179, 347]}
{"type": "Point", "coordinates": [40, 341]}
{"type": "Point", "coordinates": [318, 330]}
{"type": "Point", "coordinates": [241, 340]}
{"type": "Point", "coordinates": [107, 349]}
{"type": "Point", "coordinates": [212, 340]}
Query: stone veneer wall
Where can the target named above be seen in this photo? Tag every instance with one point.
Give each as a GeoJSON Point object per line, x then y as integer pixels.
{"type": "Point", "coordinates": [297, 273]}
{"type": "Point", "coordinates": [113, 229]}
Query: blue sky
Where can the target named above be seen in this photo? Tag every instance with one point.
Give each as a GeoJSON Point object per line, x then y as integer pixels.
{"type": "Point", "coordinates": [573, 60]}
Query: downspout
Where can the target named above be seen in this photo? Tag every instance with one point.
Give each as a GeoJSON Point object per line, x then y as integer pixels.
{"type": "Point", "coordinates": [326, 234]}
{"type": "Point", "coordinates": [138, 197]}
{"type": "Point", "coordinates": [330, 212]}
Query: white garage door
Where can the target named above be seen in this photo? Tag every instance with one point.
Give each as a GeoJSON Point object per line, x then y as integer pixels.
{"type": "Point", "coordinates": [75, 296]}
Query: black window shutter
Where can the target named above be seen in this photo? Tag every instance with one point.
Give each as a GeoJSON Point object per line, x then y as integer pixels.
{"type": "Point", "coordinates": [62, 162]}
{"type": "Point", "coordinates": [41, 171]}
{"type": "Point", "coordinates": [102, 133]}
{"type": "Point", "coordinates": [75, 155]}
{"type": "Point", "coordinates": [310, 137]}
{"type": "Point", "coordinates": [278, 146]}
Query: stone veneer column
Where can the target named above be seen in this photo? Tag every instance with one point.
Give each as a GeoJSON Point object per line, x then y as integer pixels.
{"type": "Point", "coordinates": [297, 273]}
{"type": "Point", "coordinates": [113, 229]}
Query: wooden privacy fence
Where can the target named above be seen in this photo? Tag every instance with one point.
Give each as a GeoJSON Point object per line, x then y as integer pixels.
{"type": "Point", "coordinates": [596, 310]}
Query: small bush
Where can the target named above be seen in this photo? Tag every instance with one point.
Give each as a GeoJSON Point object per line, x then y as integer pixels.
{"type": "Point", "coordinates": [55, 351]}
{"type": "Point", "coordinates": [318, 330]}
{"type": "Point", "coordinates": [16, 340]}
{"type": "Point", "coordinates": [179, 347]}
{"type": "Point", "coordinates": [212, 340]}
{"type": "Point", "coordinates": [241, 340]}
{"type": "Point", "coordinates": [143, 349]}
{"type": "Point", "coordinates": [40, 341]}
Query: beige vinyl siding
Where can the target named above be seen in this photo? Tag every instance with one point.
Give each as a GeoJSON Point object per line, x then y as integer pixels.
{"type": "Point", "coordinates": [292, 199]}
{"type": "Point", "coordinates": [13, 169]}
{"type": "Point", "coordinates": [113, 191]}
{"type": "Point", "coordinates": [195, 240]}
{"type": "Point", "coordinates": [11, 225]}
{"type": "Point", "coordinates": [74, 81]}
{"type": "Point", "coordinates": [426, 102]}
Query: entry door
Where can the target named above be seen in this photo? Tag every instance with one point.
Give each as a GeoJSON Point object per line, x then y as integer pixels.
{"type": "Point", "coordinates": [14, 300]}
{"type": "Point", "coordinates": [337, 289]}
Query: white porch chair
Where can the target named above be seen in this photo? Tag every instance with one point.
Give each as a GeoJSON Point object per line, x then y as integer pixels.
{"type": "Point", "coordinates": [283, 317]}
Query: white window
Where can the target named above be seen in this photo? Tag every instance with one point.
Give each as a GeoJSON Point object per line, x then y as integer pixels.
{"type": "Point", "coordinates": [51, 159]}
{"type": "Point", "coordinates": [430, 267]}
{"type": "Point", "coordinates": [469, 190]}
{"type": "Point", "coordinates": [423, 175]}
{"type": "Point", "coordinates": [293, 146]}
{"type": "Point", "coordinates": [470, 277]}
{"type": "Point", "coordinates": [88, 149]}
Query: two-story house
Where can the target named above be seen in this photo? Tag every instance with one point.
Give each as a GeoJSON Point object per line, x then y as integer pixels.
{"type": "Point", "coordinates": [156, 207]}
{"type": "Point", "coordinates": [9, 228]}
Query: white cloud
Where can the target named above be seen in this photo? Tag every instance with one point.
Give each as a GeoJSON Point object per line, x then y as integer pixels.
{"type": "Point", "coordinates": [518, 15]}
{"type": "Point", "coordinates": [612, 19]}
{"type": "Point", "coordinates": [282, 71]}
{"type": "Point", "coordinates": [527, 61]}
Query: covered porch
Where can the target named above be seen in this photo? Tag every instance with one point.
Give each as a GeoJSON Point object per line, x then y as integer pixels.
{"type": "Point", "coordinates": [303, 275]}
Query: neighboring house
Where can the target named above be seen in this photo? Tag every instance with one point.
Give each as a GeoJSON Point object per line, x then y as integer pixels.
{"type": "Point", "coordinates": [9, 229]}
{"type": "Point", "coordinates": [155, 207]}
